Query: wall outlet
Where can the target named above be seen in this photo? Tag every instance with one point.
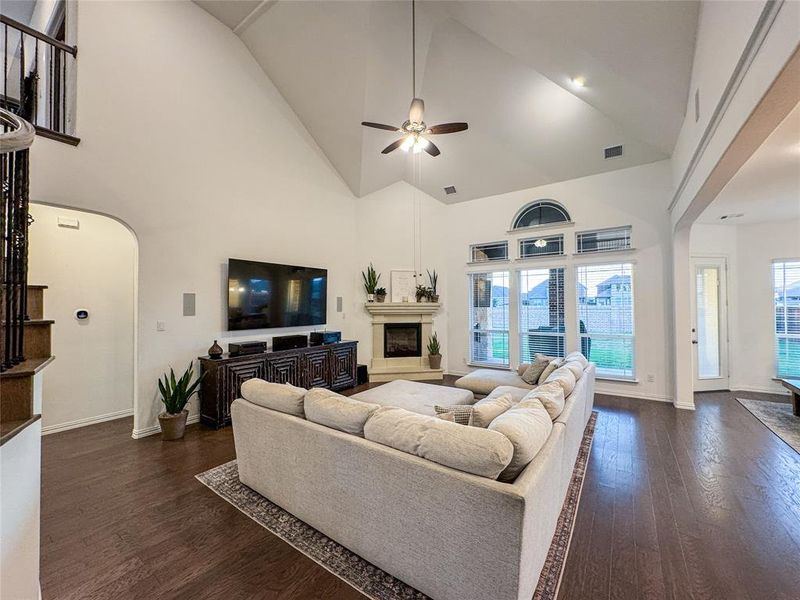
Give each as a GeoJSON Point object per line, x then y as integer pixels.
{"type": "Point", "coordinates": [650, 378]}
{"type": "Point", "coordinates": [161, 326]}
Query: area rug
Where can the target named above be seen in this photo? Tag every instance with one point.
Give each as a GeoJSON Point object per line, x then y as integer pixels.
{"type": "Point", "coordinates": [364, 576]}
{"type": "Point", "coordinates": [778, 417]}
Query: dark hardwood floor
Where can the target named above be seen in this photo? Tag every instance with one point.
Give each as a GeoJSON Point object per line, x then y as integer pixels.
{"type": "Point", "coordinates": [675, 505]}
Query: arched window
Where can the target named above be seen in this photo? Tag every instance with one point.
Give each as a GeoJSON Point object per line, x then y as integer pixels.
{"type": "Point", "coordinates": [540, 212]}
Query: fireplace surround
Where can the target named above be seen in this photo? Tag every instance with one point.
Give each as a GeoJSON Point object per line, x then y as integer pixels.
{"type": "Point", "coordinates": [400, 332]}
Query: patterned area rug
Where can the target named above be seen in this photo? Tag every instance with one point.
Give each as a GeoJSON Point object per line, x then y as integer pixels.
{"type": "Point", "coordinates": [778, 417]}
{"type": "Point", "coordinates": [364, 576]}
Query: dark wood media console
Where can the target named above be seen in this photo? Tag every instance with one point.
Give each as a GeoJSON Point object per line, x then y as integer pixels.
{"type": "Point", "coordinates": [330, 366]}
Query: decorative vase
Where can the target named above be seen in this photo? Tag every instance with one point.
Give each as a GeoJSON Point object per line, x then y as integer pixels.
{"type": "Point", "coordinates": [370, 297]}
{"type": "Point", "coordinates": [215, 351]}
{"type": "Point", "coordinates": [173, 426]}
{"type": "Point", "coordinates": [435, 361]}
{"type": "Point", "coordinates": [380, 297]}
{"type": "Point", "coordinates": [434, 298]}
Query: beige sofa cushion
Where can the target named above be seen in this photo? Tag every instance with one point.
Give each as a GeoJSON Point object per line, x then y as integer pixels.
{"type": "Point", "coordinates": [469, 449]}
{"type": "Point", "coordinates": [551, 395]}
{"type": "Point", "coordinates": [565, 379]}
{"type": "Point", "coordinates": [577, 356]}
{"type": "Point", "coordinates": [487, 410]}
{"type": "Point", "coordinates": [338, 412]}
{"type": "Point", "coordinates": [458, 413]}
{"type": "Point", "coordinates": [575, 367]}
{"type": "Point", "coordinates": [535, 370]}
{"type": "Point", "coordinates": [516, 393]}
{"type": "Point", "coordinates": [527, 426]}
{"type": "Point", "coordinates": [522, 368]}
{"type": "Point", "coordinates": [282, 397]}
{"type": "Point", "coordinates": [483, 381]}
{"type": "Point", "coordinates": [552, 366]}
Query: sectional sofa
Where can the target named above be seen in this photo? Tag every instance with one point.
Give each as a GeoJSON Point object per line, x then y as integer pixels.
{"type": "Point", "coordinates": [400, 489]}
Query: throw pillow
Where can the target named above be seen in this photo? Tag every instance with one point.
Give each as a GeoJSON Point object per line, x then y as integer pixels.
{"type": "Point", "coordinates": [527, 426]}
{"type": "Point", "coordinates": [551, 366]}
{"type": "Point", "coordinates": [564, 377]}
{"type": "Point", "coordinates": [534, 371]}
{"type": "Point", "coordinates": [487, 410]}
{"type": "Point", "coordinates": [458, 413]}
{"type": "Point", "coordinates": [551, 395]}
{"type": "Point", "coordinates": [575, 367]}
{"type": "Point", "coordinates": [522, 368]}
{"type": "Point", "coordinates": [577, 356]}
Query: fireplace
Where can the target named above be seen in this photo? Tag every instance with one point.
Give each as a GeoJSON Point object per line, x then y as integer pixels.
{"type": "Point", "coordinates": [402, 340]}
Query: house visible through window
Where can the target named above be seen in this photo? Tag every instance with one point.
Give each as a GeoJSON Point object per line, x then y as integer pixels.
{"type": "Point", "coordinates": [786, 280]}
{"type": "Point", "coordinates": [541, 312]}
{"type": "Point", "coordinates": [488, 318]}
{"type": "Point", "coordinates": [605, 315]}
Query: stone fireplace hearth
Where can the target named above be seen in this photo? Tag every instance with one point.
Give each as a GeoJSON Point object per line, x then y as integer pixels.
{"type": "Point", "coordinates": [400, 332]}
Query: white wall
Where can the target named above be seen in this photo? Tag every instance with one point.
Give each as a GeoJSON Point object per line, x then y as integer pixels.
{"type": "Point", "coordinates": [191, 146]}
{"type": "Point", "coordinates": [93, 267]}
{"type": "Point", "coordinates": [750, 250]}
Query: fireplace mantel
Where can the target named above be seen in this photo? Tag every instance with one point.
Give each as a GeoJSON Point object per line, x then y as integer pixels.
{"type": "Point", "coordinates": [410, 367]}
{"type": "Point", "coordinates": [402, 308]}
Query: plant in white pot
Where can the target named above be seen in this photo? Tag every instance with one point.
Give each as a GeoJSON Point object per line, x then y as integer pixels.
{"type": "Point", "coordinates": [175, 393]}
{"type": "Point", "coordinates": [371, 279]}
{"type": "Point", "coordinates": [434, 352]}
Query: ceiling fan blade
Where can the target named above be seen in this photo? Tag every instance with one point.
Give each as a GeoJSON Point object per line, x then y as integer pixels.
{"type": "Point", "coordinates": [447, 128]}
{"type": "Point", "coordinates": [393, 146]}
{"type": "Point", "coordinates": [416, 111]}
{"type": "Point", "coordinates": [432, 149]}
{"type": "Point", "coordinates": [380, 126]}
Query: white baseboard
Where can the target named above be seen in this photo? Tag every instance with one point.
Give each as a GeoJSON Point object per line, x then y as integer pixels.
{"type": "Point", "coordinates": [685, 406]}
{"type": "Point", "coordinates": [635, 395]}
{"type": "Point", "coordinates": [146, 431]}
{"type": "Point", "coordinates": [120, 414]}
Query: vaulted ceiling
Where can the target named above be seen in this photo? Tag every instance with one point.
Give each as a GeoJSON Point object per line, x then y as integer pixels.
{"type": "Point", "coordinates": [504, 67]}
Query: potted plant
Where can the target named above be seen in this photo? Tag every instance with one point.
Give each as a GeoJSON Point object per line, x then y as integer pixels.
{"type": "Point", "coordinates": [380, 294]}
{"type": "Point", "coordinates": [175, 393]}
{"type": "Point", "coordinates": [434, 352]}
{"type": "Point", "coordinates": [434, 279]}
{"type": "Point", "coordinates": [422, 293]}
{"type": "Point", "coordinates": [371, 278]}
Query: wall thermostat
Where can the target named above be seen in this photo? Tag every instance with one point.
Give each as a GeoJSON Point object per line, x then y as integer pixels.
{"type": "Point", "coordinates": [82, 314]}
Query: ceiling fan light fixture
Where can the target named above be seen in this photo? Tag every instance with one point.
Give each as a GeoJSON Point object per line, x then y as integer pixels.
{"type": "Point", "coordinates": [407, 144]}
{"type": "Point", "coordinates": [540, 243]}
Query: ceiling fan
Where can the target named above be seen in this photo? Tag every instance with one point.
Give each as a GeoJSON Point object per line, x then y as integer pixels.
{"type": "Point", "coordinates": [414, 130]}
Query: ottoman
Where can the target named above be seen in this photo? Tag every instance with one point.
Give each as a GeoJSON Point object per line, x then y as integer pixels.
{"type": "Point", "coordinates": [415, 396]}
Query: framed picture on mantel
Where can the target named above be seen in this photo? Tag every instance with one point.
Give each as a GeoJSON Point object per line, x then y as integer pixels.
{"type": "Point", "coordinates": [403, 286]}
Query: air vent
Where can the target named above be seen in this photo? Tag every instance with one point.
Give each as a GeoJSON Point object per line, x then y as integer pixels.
{"type": "Point", "coordinates": [450, 189]}
{"type": "Point", "coordinates": [731, 216]}
{"type": "Point", "coordinates": [612, 152]}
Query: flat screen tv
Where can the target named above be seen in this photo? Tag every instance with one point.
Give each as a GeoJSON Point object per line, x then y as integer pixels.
{"type": "Point", "coordinates": [267, 295]}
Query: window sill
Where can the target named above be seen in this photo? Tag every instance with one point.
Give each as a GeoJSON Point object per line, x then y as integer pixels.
{"type": "Point", "coordinates": [604, 253]}
{"type": "Point", "coordinates": [529, 229]}
{"type": "Point", "coordinates": [503, 261]}
{"type": "Point", "coordinates": [615, 379]}
{"type": "Point", "coordinates": [489, 366]}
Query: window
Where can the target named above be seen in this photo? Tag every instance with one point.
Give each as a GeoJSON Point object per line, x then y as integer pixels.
{"type": "Point", "coordinates": [786, 282]}
{"type": "Point", "coordinates": [605, 318]}
{"type": "Point", "coordinates": [541, 212]}
{"type": "Point", "coordinates": [488, 318]}
{"type": "Point", "coordinates": [603, 240]}
{"type": "Point", "coordinates": [488, 252]}
{"type": "Point", "coordinates": [541, 313]}
{"type": "Point", "coordinates": [552, 245]}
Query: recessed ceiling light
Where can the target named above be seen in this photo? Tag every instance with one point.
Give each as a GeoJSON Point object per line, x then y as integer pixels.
{"type": "Point", "coordinates": [578, 82]}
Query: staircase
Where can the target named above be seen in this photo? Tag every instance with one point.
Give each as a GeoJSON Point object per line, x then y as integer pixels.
{"type": "Point", "coordinates": [25, 350]}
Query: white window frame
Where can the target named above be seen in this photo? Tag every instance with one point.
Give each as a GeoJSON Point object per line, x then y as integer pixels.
{"type": "Point", "coordinates": [518, 324]}
{"type": "Point", "coordinates": [471, 332]}
{"type": "Point", "coordinates": [626, 228]}
{"type": "Point", "coordinates": [472, 248]}
{"type": "Point", "coordinates": [778, 336]}
{"type": "Point", "coordinates": [600, 374]}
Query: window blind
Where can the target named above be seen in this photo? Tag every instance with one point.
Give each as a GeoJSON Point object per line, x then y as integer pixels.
{"type": "Point", "coordinates": [603, 240]}
{"type": "Point", "coordinates": [605, 318]}
{"type": "Point", "coordinates": [541, 312]}
{"type": "Point", "coordinates": [480, 253]}
{"type": "Point", "coordinates": [786, 280]}
{"type": "Point", "coordinates": [488, 318]}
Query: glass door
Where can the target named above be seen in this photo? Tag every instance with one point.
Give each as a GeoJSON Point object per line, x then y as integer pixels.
{"type": "Point", "coordinates": [709, 326]}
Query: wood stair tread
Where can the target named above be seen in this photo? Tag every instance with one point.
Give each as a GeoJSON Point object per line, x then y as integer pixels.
{"type": "Point", "coordinates": [9, 429]}
{"type": "Point", "coordinates": [27, 368]}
